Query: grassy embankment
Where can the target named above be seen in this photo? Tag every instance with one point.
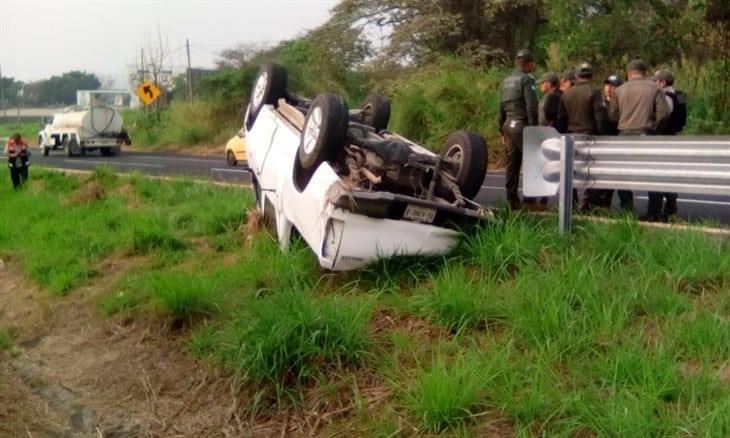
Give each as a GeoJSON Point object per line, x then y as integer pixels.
{"type": "Point", "coordinates": [616, 330]}
{"type": "Point", "coordinates": [27, 130]}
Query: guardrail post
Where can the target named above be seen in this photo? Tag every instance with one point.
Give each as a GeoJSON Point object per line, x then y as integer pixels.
{"type": "Point", "coordinates": [565, 200]}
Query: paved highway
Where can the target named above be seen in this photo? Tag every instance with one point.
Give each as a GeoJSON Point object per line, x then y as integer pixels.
{"type": "Point", "coordinates": [692, 207]}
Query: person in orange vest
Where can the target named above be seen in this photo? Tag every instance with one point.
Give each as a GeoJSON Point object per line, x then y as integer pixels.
{"type": "Point", "coordinates": [18, 160]}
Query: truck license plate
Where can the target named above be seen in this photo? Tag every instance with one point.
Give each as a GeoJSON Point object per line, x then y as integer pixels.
{"type": "Point", "coordinates": [420, 214]}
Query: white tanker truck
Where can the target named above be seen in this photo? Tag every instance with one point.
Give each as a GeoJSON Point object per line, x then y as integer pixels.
{"type": "Point", "coordinates": [78, 132]}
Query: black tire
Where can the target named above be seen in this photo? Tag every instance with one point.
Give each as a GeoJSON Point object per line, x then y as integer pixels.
{"type": "Point", "coordinates": [268, 88]}
{"type": "Point", "coordinates": [470, 151]}
{"type": "Point", "coordinates": [66, 147]}
{"type": "Point", "coordinates": [376, 111]}
{"type": "Point", "coordinates": [231, 158]}
{"type": "Point", "coordinates": [106, 152]}
{"type": "Point", "coordinates": [324, 133]}
{"type": "Point", "coordinates": [46, 151]}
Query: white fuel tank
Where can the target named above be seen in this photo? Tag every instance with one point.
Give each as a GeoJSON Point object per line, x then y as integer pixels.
{"type": "Point", "coordinates": [94, 121]}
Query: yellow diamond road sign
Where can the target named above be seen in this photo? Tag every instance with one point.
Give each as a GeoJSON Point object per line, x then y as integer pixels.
{"type": "Point", "coordinates": [148, 92]}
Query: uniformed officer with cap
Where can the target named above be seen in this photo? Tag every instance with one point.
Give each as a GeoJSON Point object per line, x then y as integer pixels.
{"type": "Point", "coordinates": [517, 109]}
{"type": "Point", "coordinates": [676, 100]}
{"type": "Point", "coordinates": [581, 110]}
{"type": "Point", "coordinates": [610, 127]}
{"type": "Point", "coordinates": [639, 105]}
{"type": "Point", "coordinates": [547, 110]}
{"type": "Point", "coordinates": [567, 80]}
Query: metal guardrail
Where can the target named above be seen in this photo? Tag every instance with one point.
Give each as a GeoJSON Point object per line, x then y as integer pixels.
{"type": "Point", "coordinates": [681, 164]}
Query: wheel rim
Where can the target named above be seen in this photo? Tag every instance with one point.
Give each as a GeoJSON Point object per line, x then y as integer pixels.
{"type": "Point", "coordinates": [312, 130]}
{"type": "Point", "coordinates": [456, 154]}
{"type": "Point", "coordinates": [260, 89]}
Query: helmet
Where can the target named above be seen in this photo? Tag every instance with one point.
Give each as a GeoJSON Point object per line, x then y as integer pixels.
{"type": "Point", "coordinates": [613, 79]}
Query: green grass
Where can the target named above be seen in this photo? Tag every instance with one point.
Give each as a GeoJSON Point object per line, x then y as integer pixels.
{"type": "Point", "coordinates": [93, 219]}
{"type": "Point", "coordinates": [181, 125]}
{"type": "Point", "coordinates": [5, 342]}
{"type": "Point", "coordinates": [27, 130]}
{"type": "Point", "coordinates": [616, 330]}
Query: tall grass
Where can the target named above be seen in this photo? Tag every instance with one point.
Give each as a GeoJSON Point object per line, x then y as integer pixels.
{"type": "Point", "coordinates": [182, 124]}
{"type": "Point", "coordinates": [93, 219]}
{"type": "Point", "coordinates": [291, 337]}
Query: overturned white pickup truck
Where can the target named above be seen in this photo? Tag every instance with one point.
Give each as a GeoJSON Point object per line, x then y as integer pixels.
{"type": "Point", "coordinates": [78, 132]}
{"type": "Point", "coordinates": [354, 191]}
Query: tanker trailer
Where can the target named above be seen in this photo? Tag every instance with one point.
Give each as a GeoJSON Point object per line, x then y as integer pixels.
{"type": "Point", "coordinates": [78, 132]}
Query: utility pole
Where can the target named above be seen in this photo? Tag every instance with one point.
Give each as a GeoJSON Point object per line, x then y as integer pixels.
{"type": "Point", "coordinates": [190, 71]}
{"type": "Point", "coordinates": [2, 93]}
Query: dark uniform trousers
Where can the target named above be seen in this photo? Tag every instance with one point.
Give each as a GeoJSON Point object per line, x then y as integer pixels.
{"type": "Point", "coordinates": [627, 196]}
{"type": "Point", "coordinates": [18, 170]}
{"type": "Point", "coordinates": [512, 130]}
{"type": "Point", "coordinates": [591, 197]}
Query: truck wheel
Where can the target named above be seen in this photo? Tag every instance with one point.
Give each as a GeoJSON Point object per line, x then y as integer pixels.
{"type": "Point", "coordinates": [376, 111]}
{"type": "Point", "coordinates": [325, 131]}
{"type": "Point", "coordinates": [66, 148]}
{"type": "Point", "coordinates": [231, 158]}
{"type": "Point", "coordinates": [467, 155]}
{"type": "Point", "coordinates": [46, 151]}
{"type": "Point", "coordinates": [269, 87]}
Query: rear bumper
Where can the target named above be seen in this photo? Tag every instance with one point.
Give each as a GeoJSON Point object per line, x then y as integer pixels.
{"type": "Point", "coordinates": [362, 227]}
{"type": "Point", "coordinates": [351, 241]}
{"type": "Point", "coordinates": [386, 205]}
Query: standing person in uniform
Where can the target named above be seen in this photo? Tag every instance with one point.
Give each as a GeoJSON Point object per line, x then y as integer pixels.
{"type": "Point", "coordinates": [639, 105]}
{"type": "Point", "coordinates": [567, 80]}
{"type": "Point", "coordinates": [677, 102]}
{"type": "Point", "coordinates": [547, 110]}
{"type": "Point", "coordinates": [18, 160]}
{"type": "Point", "coordinates": [581, 110]}
{"type": "Point", "coordinates": [609, 127]}
{"type": "Point", "coordinates": [517, 109]}
{"type": "Point", "coordinates": [550, 103]}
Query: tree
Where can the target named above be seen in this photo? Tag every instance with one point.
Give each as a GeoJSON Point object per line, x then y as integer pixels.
{"type": "Point", "coordinates": [11, 87]}
{"type": "Point", "coordinates": [482, 30]}
{"type": "Point", "coordinates": [59, 90]}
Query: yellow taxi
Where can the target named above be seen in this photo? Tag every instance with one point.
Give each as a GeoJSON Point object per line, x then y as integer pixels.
{"type": "Point", "coordinates": [236, 149]}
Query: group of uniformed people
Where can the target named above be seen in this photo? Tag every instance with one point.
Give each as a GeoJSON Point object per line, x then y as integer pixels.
{"type": "Point", "coordinates": [573, 105]}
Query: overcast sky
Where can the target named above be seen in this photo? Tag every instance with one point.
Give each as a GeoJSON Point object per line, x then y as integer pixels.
{"type": "Point", "coordinates": [39, 39]}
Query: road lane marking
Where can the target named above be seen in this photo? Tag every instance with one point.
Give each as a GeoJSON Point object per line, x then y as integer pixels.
{"type": "Point", "coordinates": [114, 163]}
{"type": "Point", "coordinates": [218, 169]}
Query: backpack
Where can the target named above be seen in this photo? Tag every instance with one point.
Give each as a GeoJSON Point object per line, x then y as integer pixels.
{"type": "Point", "coordinates": [678, 117]}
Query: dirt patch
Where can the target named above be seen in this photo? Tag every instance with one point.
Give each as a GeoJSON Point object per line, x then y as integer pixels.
{"type": "Point", "coordinates": [90, 191]}
{"type": "Point", "coordinates": [76, 373]}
